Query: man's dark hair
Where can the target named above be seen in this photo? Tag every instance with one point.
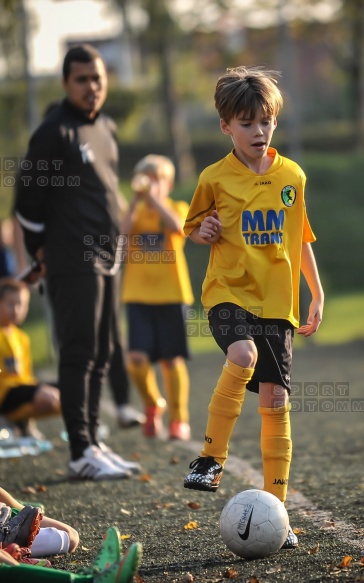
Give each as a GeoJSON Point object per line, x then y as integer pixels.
{"type": "Point", "coordinates": [81, 54]}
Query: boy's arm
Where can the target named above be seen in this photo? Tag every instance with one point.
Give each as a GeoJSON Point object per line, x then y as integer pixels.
{"type": "Point", "coordinates": [126, 223]}
{"type": "Point", "coordinates": [170, 218]}
{"type": "Point", "coordinates": [209, 231]}
{"type": "Point", "coordinates": [311, 275]}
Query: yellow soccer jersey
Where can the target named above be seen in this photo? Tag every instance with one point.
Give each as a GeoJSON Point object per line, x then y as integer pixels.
{"type": "Point", "coordinates": [15, 360]}
{"type": "Point", "coordinates": [155, 270]}
{"type": "Point", "coordinates": [256, 262]}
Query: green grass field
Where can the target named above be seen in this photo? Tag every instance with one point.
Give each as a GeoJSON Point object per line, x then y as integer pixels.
{"type": "Point", "coordinates": [341, 324]}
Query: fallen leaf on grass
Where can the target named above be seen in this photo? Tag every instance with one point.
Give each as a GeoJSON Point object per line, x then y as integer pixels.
{"type": "Point", "coordinates": [254, 579]}
{"type": "Point", "coordinates": [188, 578]}
{"type": "Point", "coordinates": [275, 569]}
{"type": "Point", "coordinates": [298, 531]}
{"type": "Point", "coordinates": [84, 549]}
{"type": "Point", "coordinates": [125, 536]}
{"type": "Point", "coordinates": [123, 511]}
{"type": "Point", "coordinates": [138, 579]}
{"type": "Point", "coordinates": [194, 505]}
{"type": "Point", "coordinates": [41, 488]}
{"type": "Point", "coordinates": [190, 525]}
{"type": "Point", "coordinates": [28, 490]}
{"type": "Point", "coordinates": [314, 550]}
{"type": "Point", "coordinates": [174, 460]}
{"type": "Point", "coordinates": [328, 524]}
{"type": "Point", "coordinates": [145, 478]}
{"type": "Point", "coordinates": [231, 573]}
{"type": "Point", "coordinates": [346, 562]}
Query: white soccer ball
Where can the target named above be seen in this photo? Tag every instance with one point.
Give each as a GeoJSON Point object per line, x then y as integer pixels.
{"type": "Point", "coordinates": [254, 524]}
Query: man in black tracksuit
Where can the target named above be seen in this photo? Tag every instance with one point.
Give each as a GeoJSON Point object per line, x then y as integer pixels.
{"type": "Point", "coordinates": [67, 205]}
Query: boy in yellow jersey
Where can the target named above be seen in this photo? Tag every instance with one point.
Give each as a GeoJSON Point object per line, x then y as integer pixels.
{"type": "Point", "coordinates": [155, 288]}
{"type": "Point", "coordinates": [249, 207]}
{"type": "Point", "coordinates": [22, 398]}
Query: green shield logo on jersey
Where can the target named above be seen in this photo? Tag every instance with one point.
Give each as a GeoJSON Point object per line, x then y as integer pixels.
{"type": "Point", "coordinates": [288, 195]}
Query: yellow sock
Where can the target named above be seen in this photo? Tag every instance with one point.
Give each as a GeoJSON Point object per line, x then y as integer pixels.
{"type": "Point", "coordinates": [276, 446]}
{"type": "Point", "coordinates": [177, 387]}
{"type": "Point", "coordinates": [224, 409]}
{"type": "Point", "coordinates": [144, 378]}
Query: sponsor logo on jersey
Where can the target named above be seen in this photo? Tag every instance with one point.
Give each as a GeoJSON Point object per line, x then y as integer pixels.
{"type": "Point", "coordinates": [260, 228]}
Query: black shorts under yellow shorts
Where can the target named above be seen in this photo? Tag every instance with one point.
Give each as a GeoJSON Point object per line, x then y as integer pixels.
{"type": "Point", "coordinates": [157, 330]}
{"type": "Point", "coordinates": [273, 338]}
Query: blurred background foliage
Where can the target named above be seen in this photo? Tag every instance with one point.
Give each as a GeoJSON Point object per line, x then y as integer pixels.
{"type": "Point", "coordinates": [177, 50]}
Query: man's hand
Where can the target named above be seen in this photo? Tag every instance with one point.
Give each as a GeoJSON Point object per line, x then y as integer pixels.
{"type": "Point", "coordinates": [211, 228]}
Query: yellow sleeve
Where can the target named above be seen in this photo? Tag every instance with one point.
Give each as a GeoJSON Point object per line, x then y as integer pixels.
{"type": "Point", "coordinates": [202, 204]}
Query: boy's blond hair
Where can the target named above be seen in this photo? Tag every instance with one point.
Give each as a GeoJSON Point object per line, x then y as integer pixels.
{"type": "Point", "coordinates": [246, 90]}
{"type": "Point", "coordinates": [160, 166]}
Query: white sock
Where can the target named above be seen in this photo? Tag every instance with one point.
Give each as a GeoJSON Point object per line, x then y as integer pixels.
{"type": "Point", "coordinates": [50, 541]}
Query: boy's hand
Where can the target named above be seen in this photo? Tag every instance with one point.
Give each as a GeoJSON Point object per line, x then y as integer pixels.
{"type": "Point", "coordinates": [211, 228]}
{"type": "Point", "coordinates": [313, 320]}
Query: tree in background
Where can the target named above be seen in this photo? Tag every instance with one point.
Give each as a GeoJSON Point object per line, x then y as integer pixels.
{"type": "Point", "coordinates": [158, 38]}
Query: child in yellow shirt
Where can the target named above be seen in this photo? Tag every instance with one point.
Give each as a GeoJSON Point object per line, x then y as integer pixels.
{"type": "Point", "coordinates": [22, 397]}
{"type": "Point", "coordinates": [156, 286]}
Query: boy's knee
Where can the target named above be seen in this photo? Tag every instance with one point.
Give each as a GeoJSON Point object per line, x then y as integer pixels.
{"type": "Point", "coordinates": [47, 399]}
{"type": "Point", "coordinates": [137, 358]}
{"type": "Point", "coordinates": [243, 353]}
{"type": "Point", "coordinates": [74, 539]}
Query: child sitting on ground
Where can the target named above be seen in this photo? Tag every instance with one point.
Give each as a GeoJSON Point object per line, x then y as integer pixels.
{"type": "Point", "coordinates": [110, 566]}
{"type": "Point", "coordinates": [22, 398]}
{"type": "Point", "coordinates": [46, 536]}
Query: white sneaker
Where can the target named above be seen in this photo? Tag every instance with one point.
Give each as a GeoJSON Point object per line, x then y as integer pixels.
{"type": "Point", "coordinates": [127, 417]}
{"type": "Point", "coordinates": [118, 461]}
{"type": "Point", "coordinates": [94, 465]}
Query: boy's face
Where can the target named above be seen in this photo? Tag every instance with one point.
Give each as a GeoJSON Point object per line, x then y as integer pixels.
{"type": "Point", "coordinates": [251, 137]}
{"type": "Point", "coordinates": [14, 307]}
{"type": "Point", "coordinates": [159, 186]}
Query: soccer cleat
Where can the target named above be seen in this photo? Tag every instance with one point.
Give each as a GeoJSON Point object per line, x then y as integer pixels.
{"type": "Point", "coordinates": [153, 425]}
{"type": "Point", "coordinates": [22, 555]}
{"type": "Point", "coordinates": [179, 430]}
{"type": "Point", "coordinates": [94, 465]}
{"type": "Point", "coordinates": [206, 474]}
{"type": "Point", "coordinates": [127, 417]}
{"type": "Point", "coordinates": [110, 550]}
{"type": "Point", "coordinates": [118, 461]}
{"type": "Point", "coordinates": [291, 540]}
{"type": "Point", "coordinates": [123, 570]}
{"type": "Point", "coordinates": [22, 528]}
